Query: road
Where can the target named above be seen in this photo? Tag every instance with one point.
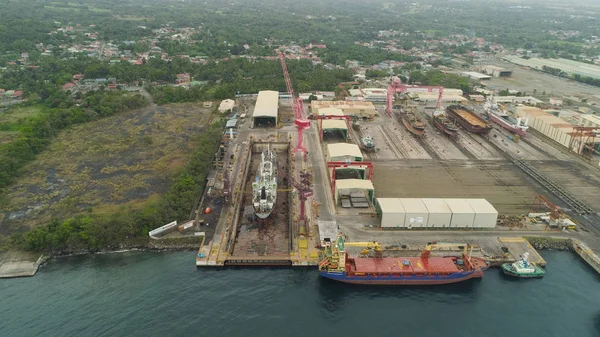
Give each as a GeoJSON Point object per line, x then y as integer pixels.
{"type": "Point", "coordinates": [321, 187]}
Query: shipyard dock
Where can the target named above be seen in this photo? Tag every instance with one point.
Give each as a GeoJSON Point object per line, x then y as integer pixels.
{"type": "Point", "coordinates": [342, 185]}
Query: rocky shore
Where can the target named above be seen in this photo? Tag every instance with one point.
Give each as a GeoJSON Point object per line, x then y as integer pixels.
{"type": "Point", "coordinates": [544, 243]}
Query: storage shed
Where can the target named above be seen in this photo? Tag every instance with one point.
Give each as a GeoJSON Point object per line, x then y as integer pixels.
{"type": "Point", "coordinates": [346, 187]}
{"type": "Point", "coordinates": [332, 126]}
{"type": "Point", "coordinates": [417, 213]}
{"type": "Point", "coordinates": [440, 215]}
{"type": "Point", "coordinates": [343, 152]}
{"type": "Point", "coordinates": [266, 108]}
{"type": "Point", "coordinates": [486, 215]}
{"type": "Point", "coordinates": [392, 212]}
{"type": "Point", "coordinates": [462, 213]}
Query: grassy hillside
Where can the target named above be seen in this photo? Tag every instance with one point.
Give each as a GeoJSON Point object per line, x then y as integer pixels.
{"type": "Point", "coordinates": [105, 166]}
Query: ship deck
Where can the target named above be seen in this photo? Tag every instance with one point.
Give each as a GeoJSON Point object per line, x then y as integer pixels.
{"type": "Point", "coordinates": [389, 265]}
{"type": "Point", "coordinates": [469, 117]}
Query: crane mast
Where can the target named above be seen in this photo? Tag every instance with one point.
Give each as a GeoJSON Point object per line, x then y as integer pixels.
{"type": "Point", "coordinates": [301, 122]}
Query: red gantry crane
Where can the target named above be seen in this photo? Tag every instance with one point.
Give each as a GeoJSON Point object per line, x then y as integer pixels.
{"type": "Point", "coordinates": [396, 86]}
{"type": "Point", "coordinates": [301, 122]}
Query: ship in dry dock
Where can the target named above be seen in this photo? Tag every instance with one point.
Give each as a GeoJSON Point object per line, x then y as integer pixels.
{"type": "Point", "coordinates": [444, 124]}
{"type": "Point", "coordinates": [468, 119]}
{"type": "Point", "coordinates": [413, 122]}
{"type": "Point", "coordinates": [498, 114]}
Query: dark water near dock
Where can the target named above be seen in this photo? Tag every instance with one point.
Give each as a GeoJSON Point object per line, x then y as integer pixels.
{"type": "Point", "coordinates": [162, 294]}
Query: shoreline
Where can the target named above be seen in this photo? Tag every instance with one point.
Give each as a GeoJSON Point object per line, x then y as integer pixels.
{"type": "Point", "coordinates": [538, 243]}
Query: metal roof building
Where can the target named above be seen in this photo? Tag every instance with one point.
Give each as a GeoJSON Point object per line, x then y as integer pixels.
{"type": "Point", "coordinates": [267, 107]}
{"type": "Point", "coordinates": [226, 104]}
{"type": "Point", "coordinates": [486, 215]}
{"type": "Point", "coordinates": [331, 112]}
{"type": "Point", "coordinates": [335, 125]}
{"type": "Point", "coordinates": [343, 152]}
{"type": "Point", "coordinates": [392, 212]}
{"type": "Point", "coordinates": [349, 186]}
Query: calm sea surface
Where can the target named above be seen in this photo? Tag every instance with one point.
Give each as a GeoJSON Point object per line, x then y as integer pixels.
{"type": "Point", "coordinates": [163, 294]}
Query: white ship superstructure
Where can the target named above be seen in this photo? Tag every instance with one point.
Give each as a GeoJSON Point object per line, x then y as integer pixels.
{"type": "Point", "coordinates": [498, 114]}
{"type": "Point", "coordinates": [264, 188]}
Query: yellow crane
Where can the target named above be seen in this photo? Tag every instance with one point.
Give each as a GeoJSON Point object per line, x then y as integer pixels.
{"type": "Point", "coordinates": [439, 245]}
{"type": "Point", "coordinates": [368, 246]}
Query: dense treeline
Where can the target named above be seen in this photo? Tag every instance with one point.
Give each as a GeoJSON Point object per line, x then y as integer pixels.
{"type": "Point", "coordinates": [437, 77]}
{"type": "Point", "coordinates": [338, 54]}
{"type": "Point", "coordinates": [91, 232]}
{"type": "Point", "coordinates": [226, 79]}
{"type": "Point", "coordinates": [36, 132]}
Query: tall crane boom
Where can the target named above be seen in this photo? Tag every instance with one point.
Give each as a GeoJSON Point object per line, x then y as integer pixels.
{"type": "Point", "coordinates": [301, 122]}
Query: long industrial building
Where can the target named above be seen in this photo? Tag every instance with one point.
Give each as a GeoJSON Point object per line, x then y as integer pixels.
{"type": "Point", "coordinates": [436, 213]}
{"type": "Point", "coordinates": [362, 109]}
{"type": "Point", "coordinates": [267, 108]}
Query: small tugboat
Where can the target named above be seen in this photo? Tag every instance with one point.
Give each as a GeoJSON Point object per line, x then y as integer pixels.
{"type": "Point", "coordinates": [522, 268]}
{"type": "Point", "coordinates": [367, 143]}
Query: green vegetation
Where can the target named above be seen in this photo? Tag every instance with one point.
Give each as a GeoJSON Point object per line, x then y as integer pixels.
{"type": "Point", "coordinates": [242, 76]}
{"type": "Point", "coordinates": [437, 77]}
{"type": "Point", "coordinates": [101, 166]}
{"type": "Point", "coordinates": [42, 123]}
{"type": "Point", "coordinates": [376, 73]}
{"type": "Point", "coordinates": [128, 226]}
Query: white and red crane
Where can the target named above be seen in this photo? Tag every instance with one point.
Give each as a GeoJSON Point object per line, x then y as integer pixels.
{"type": "Point", "coordinates": [396, 86]}
{"type": "Point", "coordinates": [301, 121]}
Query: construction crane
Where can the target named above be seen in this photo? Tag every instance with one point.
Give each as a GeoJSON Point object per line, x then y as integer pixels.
{"type": "Point", "coordinates": [583, 140]}
{"type": "Point", "coordinates": [425, 254]}
{"type": "Point", "coordinates": [396, 86]}
{"type": "Point", "coordinates": [304, 192]}
{"type": "Point", "coordinates": [368, 246]}
{"type": "Point", "coordinates": [301, 122]}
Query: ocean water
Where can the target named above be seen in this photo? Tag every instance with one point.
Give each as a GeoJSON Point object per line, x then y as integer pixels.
{"type": "Point", "coordinates": [163, 294]}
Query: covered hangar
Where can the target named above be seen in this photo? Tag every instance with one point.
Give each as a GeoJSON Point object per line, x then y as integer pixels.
{"type": "Point", "coordinates": [266, 109]}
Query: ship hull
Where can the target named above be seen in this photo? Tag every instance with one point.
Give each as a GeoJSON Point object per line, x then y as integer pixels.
{"type": "Point", "coordinates": [506, 124]}
{"type": "Point", "coordinates": [411, 128]}
{"type": "Point", "coordinates": [408, 280]}
{"type": "Point", "coordinates": [440, 126]}
{"type": "Point", "coordinates": [264, 188]}
{"type": "Point", "coordinates": [468, 119]}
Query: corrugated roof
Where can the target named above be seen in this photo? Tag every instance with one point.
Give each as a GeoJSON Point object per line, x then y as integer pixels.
{"type": "Point", "coordinates": [363, 184]}
{"type": "Point", "coordinates": [330, 112]}
{"type": "Point", "coordinates": [266, 104]}
{"type": "Point", "coordinates": [414, 205]}
{"type": "Point", "coordinates": [339, 124]}
{"type": "Point", "coordinates": [459, 205]}
{"type": "Point", "coordinates": [481, 206]}
{"type": "Point", "coordinates": [390, 205]}
{"type": "Point", "coordinates": [343, 149]}
{"type": "Point", "coordinates": [436, 205]}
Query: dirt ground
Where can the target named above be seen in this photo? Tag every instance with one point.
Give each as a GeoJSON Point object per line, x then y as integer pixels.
{"type": "Point", "coordinates": [525, 79]}
{"type": "Point", "coordinates": [499, 182]}
{"type": "Point", "coordinates": [120, 161]}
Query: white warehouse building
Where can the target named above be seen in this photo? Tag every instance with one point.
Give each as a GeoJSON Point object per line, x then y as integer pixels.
{"type": "Point", "coordinates": [266, 109]}
{"type": "Point", "coordinates": [435, 213]}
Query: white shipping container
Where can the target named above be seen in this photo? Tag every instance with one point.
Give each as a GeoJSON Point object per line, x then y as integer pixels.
{"type": "Point", "coordinates": [462, 213]}
{"type": "Point", "coordinates": [486, 215]}
{"type": "Point", "coordinates": [417, 213]}
{"type": "Point", "coordinates": [440, 215]}
{"type": "Point", "coordinates": [392, 212]}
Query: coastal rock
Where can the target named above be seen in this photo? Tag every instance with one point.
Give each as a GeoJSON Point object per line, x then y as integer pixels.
{"type": "Point", "coordinates": [542, 243]}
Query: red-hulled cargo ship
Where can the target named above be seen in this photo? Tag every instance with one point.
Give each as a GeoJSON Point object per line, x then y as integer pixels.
{"type": "Point", "coordinates": [423, 270]}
